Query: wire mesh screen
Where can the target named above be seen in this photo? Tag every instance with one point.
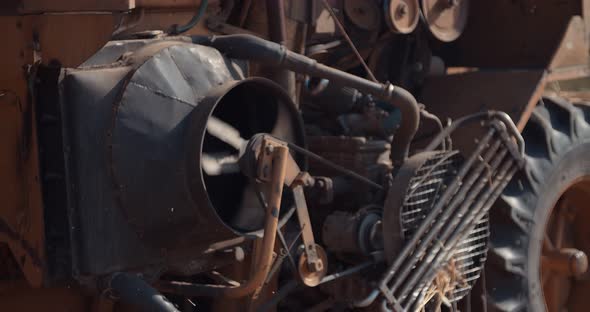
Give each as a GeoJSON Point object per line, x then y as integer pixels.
{"type": "Point", "coordinates": [425, 189]}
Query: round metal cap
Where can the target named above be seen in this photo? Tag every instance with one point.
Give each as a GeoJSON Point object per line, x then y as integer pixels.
{"type": "Point", "coordinates": [446, 19]}
{"type": "Point", "coordinates": [402, 16]}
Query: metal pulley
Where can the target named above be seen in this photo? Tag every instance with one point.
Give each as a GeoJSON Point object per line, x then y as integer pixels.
{"type": "Point", "coordinates": [312, 277]}
{"type": "Point", "coordinates": [402, 16]}
{"type": "Point", "coordinates": [363, 14]}
{"type": "Point", "coordinates": [446, 19]}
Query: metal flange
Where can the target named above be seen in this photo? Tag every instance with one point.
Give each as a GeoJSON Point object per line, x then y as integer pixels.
{"type": "Point", "coordinates": [402, 16]}
{"type": "Point", "coordinates": [446, 19]}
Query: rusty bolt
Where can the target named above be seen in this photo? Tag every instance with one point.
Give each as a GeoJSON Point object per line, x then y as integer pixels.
{"type": "Point", "coordinates": [578, 263]}
{"type": "Point", "coordinates": [566, 261]}
{"type": "Point", "coordinates": [239, 254]}
{"type": "Point", "coordinates": [319, 265]}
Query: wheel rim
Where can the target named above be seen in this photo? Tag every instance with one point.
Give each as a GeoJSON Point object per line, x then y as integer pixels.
{"type": "Point", "coordinates": [566, 244]}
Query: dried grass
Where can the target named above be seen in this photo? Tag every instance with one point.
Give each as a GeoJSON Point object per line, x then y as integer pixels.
{"type": "Point", "coordinates": [447, 279]}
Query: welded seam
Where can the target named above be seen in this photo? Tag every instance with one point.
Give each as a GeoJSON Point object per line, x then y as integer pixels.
{"type": "Point", "coordinates": [161, 93]}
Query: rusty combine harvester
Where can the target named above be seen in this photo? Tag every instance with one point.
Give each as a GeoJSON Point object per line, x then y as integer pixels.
{"type": "Point", "coordinates": [294, 155]}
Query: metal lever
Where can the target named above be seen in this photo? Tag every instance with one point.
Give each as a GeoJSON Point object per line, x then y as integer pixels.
{"type": "Point", "coordinates": [314, 263]}
{"type": "Point", "coordinates": [296, 180]}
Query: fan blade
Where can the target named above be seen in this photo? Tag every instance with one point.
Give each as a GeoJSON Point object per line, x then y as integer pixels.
{"type": "Point", "coordinates": [218, 164]}
{"type": "Point", "coordinates": [225, 132]}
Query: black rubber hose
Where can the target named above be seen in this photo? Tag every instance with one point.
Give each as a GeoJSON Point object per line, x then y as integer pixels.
{"type": "Point", "coordinates": [179, 29]}
{"type": "Point", "coordinates": [134, 291]}
{"type": "Point", "coordinates": [255, 49]}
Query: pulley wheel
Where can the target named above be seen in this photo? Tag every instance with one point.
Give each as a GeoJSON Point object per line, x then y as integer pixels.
{"type": "Point", "coordinates": [311, 278]}
{"type": "Point", "coordinates": [446, 19]}
{"type": "Point", "coordinates": [363, 14]}
{"type": "Point", "coordinates": [402, 16]}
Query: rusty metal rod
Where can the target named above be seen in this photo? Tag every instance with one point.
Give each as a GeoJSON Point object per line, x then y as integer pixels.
{"type": "Point", "coordinates": [487, 201]}
{"type": "Point", "coordinates": [458, 221]}
{"type": "Point", "coordinates": [277, 32]}
{"type": "Point", "coordinates": [506, 175]}
{"type": "Point", "coordinates": [348, 40]}
{"type": "Point", "coordinates": [435, 211]}
{"type": "Point", "coordinates": [265, 258]}
{"type": "Point", "coordinates": [457, 205]}
{"type": "Point", "coordinates": [367, 301]}
{"type": "Point", "coordinates": [332, 165]}
{"type": "Point", "coordinates": [347, 272]}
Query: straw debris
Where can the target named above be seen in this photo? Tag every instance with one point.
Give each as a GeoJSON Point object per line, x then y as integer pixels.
{"type": "Point", "coordinates": [446, 281]}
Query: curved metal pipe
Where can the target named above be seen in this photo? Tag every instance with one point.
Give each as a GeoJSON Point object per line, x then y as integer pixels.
{"type": "Point", "coordinates": [505, 118]}
{"type": "Point", "coordinates": [252, 48]}
{"type": "Point", "coordinates": [367, 301]}
{"type": "Point", "coordinates": [134, 291]}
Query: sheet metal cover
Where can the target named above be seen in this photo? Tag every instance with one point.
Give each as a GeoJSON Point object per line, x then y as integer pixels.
{"type": "Point", "coordinates": [148, 138]}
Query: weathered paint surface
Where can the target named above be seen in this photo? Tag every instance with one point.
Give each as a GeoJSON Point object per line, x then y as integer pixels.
{"type": "Point", "coordinates": [21, 212]}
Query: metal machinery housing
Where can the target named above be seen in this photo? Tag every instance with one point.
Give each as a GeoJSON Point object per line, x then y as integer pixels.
{"type": "Point", "coordinates": [226, 155]}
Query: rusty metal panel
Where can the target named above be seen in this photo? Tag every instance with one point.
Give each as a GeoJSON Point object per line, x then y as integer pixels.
{"type": "Point", "coordinates": [511, 33]}
{"type": "Point", "coordinates": [9, 7]}
{"type": "Point", "coordinates": [573, 48]}
{"type": "Point", "coordinates": [462, 94]}
{"type": "Point", "coordinates": [17, 296]}
{"type": "Point", "coordinates": [20, 221]}
{"type": "Point", "coordinates": [86, 34]}
{"type": "Point", "coordinates": [36, 6]}
{"type": "Point", "coordinates": [21, 214]}
{"type": "Point", "coordinates": [515, 92]}
{"type": "Point", "coordinates": [168, 4]}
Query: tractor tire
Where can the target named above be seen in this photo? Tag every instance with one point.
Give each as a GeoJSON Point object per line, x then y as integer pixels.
{"type": "Point", "coordinates": [557, 138]}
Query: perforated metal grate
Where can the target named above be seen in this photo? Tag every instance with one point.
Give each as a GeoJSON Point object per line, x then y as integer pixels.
{"type": "Point", "coordinates": [425, 189]}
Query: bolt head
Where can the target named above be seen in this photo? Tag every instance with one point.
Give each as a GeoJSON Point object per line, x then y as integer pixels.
{"type": "Point", "coordinates": [579, 263]}
{"type": "Point", "coordinates": [269, 149]}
